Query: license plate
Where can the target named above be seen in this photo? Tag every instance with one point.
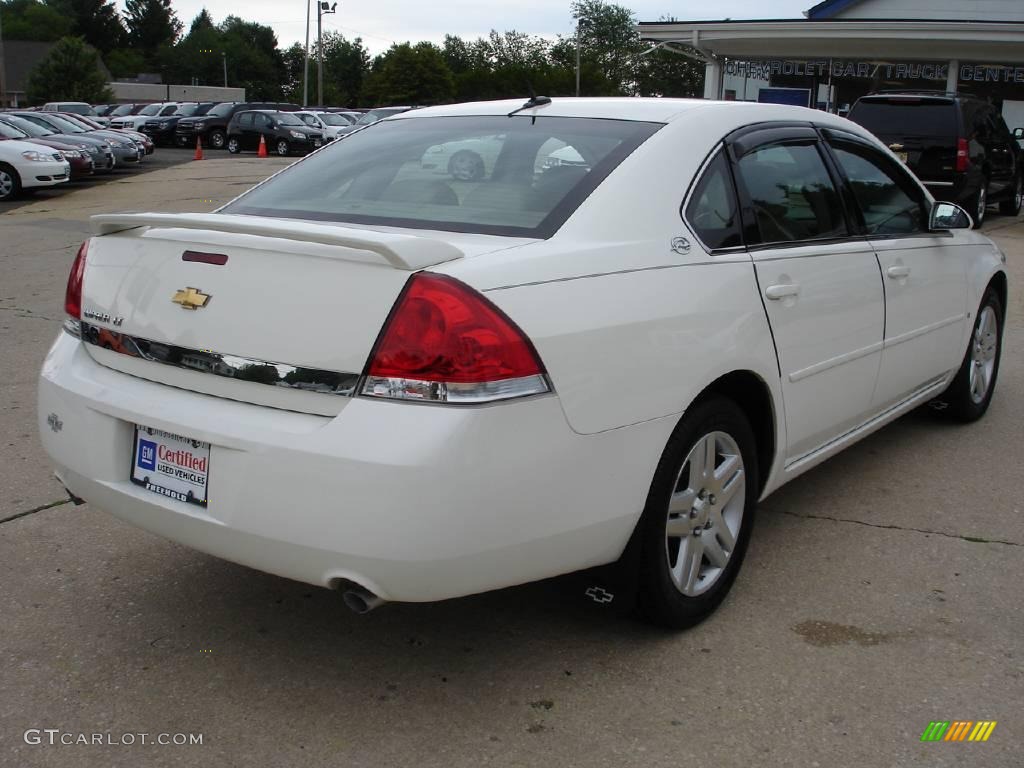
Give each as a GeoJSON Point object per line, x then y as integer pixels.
{"type": "Point", "coordinates": [171, 465]}
{"type": "Point", "coordinates": [902, 156]}
{"type": "Point", "coordinates": [316, 142]}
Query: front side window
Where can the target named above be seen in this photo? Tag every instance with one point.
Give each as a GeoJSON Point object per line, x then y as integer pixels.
{"type": "Point", "coordinates": [889, 201]}
{"type": "Point", "coordinates": [515, 176]}
{"type": "Point", "coordinates": [792, 194]}
{"type": "Point", "coordinates": [711, 212]}
{"type": "Point", "coordinates": [10, 132]}
{"type": "Point", "coordinates": [261, 120]}
{"type": "Point", "coordinates": [245, 120]}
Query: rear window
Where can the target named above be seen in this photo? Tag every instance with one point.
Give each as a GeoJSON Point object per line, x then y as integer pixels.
{"type": "Point", "coordinates": [515, 176]}
{"type": "Point", "coordinates": [907, 117]}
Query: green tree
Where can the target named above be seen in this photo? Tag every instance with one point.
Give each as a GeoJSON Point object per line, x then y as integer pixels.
{"type": "Point", "coordinates": [33, 20]}
{"type": "Point", "coordinates": [125, 62]}
{"type": "Point", "coordinates": [97, 21]}
{"type": "Point", "coordinates": [410, 74]}
{"type": "Point", "coordinates": [254, 60]}
{"type": "Point", "coordinates": [151, 24]}
{"type": "Point", "coordinates": [667, 73]}
{"type": "Point", "coordinates": [346, 64]}
{"type": "Point", "coordinates": [71, 72]}
{"type": "Point", "coordinates": [610, 44]}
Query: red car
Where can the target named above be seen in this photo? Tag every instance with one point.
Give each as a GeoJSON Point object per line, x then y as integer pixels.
{"type": "Point", "coordinates": [81, 163]}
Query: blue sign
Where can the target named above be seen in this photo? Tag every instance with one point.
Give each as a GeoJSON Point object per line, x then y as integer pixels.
{"type": "Point", "coordinates": [797, 97]}
{"type": "Point", "coordinates": [147, 455]}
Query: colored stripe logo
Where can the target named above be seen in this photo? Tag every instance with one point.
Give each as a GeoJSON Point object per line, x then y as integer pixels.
{"type": "Point", "coordinates": [958, 730]}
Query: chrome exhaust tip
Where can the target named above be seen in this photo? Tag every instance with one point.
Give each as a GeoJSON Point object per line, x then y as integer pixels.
{"type": "Point", "coordinates": [361, 600]}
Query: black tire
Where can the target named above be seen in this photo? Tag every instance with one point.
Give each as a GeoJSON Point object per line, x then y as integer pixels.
{"type": "Point", "coordinates": [282, 148]}
{"type": "Point", "coordinates": [465, 165]}
{"type": "Point", "coordinates": [960, 403]}
{"type": "Point", "coordinates": [234, 145]}
{"type": "Point", "coordinates": [659, 600]}
{"type": "Point", "coordinates": [216, 139]}
{"type": "Point", "coordinates": [10, 182]}
{"type": "Point", "coordinates": [1011, 206]}
{"type": "Point", "coordinates": [979, 204]}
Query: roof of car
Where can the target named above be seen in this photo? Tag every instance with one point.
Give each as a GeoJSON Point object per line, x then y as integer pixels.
{"type": "Point", "coordinates": [624, 108]}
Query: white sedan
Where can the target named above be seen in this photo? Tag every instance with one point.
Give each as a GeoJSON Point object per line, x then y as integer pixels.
{"type": "Point", "coordinates": [26, 165]}
{"type": "Point", "coordinates": [363, 376]}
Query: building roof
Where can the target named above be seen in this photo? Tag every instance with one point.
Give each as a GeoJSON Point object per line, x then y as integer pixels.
{"type": "Point", "coordinates": [20, 56]}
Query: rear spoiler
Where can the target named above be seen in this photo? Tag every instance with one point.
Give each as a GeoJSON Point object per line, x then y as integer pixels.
{"type": "Point", "coordinates": [407, 252]}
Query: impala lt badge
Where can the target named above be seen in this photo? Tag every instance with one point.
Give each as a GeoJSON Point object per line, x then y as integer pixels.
{"type": "Point", "coordinates": [191, 298]}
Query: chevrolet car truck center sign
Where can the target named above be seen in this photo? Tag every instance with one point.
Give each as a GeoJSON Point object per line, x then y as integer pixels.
{"type": "Point", "coordinates": [979, 73]}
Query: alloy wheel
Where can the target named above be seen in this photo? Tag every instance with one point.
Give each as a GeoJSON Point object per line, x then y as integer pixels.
{"type": "Point", "coordinates": [6, 185]}
{"type": "Point", "coordinates": [705, 513]}
{"type": "Point", "coordinates": [282, 148]}
{"type": "Point", "coordinates": [983, 354]}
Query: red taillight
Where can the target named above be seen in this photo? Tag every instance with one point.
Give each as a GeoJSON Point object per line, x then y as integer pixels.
{"type": "Point", "coordinates": [445, 342]}
{"type": "Point", "coordinates": [73, 295]}
{"type": "Point", "coordinates": [963, 157]}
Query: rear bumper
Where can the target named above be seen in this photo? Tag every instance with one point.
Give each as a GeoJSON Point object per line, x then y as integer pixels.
{"type": "Point", "coordinates": [413, 502]}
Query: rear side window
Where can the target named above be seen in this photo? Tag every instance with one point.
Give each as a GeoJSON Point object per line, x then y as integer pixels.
{"type": "Point", "coordinates": [907, 117]}
{"type": "Point", "coordinates": [245, 120]}
{"type": "Point", "coordinates": [711, 212]}
{"type": "Point", "coordinates": [792, 194]}
{"type": "Point", "coordinates": [891, 204]}
{"type": "Point", "coordinates": [515, 176]}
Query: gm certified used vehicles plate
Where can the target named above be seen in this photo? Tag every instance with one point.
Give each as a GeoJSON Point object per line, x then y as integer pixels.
{"type": "Point", "coordinates": [636, 320]}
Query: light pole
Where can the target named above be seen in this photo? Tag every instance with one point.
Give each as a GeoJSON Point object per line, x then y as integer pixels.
{"type": "Point", "coordinates": [579, 24]}
{"type": "Point", "coordinates": [322, 7]}
{"type": "Point", "coordinates": [224, 58]}
{"type": "Point", "coordinates": [305, 66]}
{"type": "Point", "coordinates": [3, 73]}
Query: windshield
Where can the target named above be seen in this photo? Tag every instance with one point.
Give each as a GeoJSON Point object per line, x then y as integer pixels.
{"type": "Point", "coordinates": [64, 125]}
{"type": "Point", "coordinates": [221, 110]}
{"type": "Point", "coordinates": [186, 110]}
{"type": "Point", "coordinates": [78, 109]}
{"type": "Point", "coordinates": [283, 118]}
{"type": "Point", "coordinates": [10, 132]}
{"type": "Point", "coordinates": [376, 114]}
{"type": "Point", "coordinates": [32, 129]}
{"type": "Point", "coordinates": [491, 175]}
{"type": "Point", "coordinates": [150, 109]}
{"type": "Point", "coordinates": [124, 109]}
{"type": "Point", "coordinates": [332, 119]}
{"type": "Point", "coordinates": [907, 117]}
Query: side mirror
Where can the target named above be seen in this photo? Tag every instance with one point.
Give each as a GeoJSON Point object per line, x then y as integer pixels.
{"type": "Point", "coordinates": [945, 216]}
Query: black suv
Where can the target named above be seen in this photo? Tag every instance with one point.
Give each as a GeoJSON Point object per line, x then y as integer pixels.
{"type": "Point", "coordinates": [161, 129]}
{"type": "Point", "coordinates": [284, 133]}
{"type": "Point", "coordinates": [958, 146]}
{"type": "Point", "coordinates": [213, 126]}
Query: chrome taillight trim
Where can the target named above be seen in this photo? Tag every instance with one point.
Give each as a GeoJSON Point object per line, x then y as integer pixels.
{"type": "Point", "coordinates": [451, 393]}
{"type": "Point", "coordinates": [220, 364]}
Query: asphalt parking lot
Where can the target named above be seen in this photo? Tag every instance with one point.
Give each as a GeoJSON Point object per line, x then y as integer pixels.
{"type": "Point", "coordinates": [881, 591]}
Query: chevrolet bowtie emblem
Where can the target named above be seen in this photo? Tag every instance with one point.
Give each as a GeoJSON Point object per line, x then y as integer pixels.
{"type": "Point", "coordinates": [191, 298]}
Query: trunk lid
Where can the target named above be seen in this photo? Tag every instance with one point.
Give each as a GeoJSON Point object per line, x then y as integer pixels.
{"type": "Point", "coordinates": [294, 305]}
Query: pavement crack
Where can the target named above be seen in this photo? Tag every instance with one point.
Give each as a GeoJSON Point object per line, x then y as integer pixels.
{"type": "Point", "coordinates": [27, 313]}
{"type": "Point", "coordinates": [27, 512]}
{"type": "Point", "coordinates": [961, 537]}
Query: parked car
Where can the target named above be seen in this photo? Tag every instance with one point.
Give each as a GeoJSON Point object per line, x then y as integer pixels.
{"type": "Point", "coordinates": [544, 373]}
{"type": "Point", "coordinates": [121, 146]}
{"type": "Point", "coordinates": [368, 118]}
{"type": "Point", "coordinates": [79, 161]}
{"type": "Point", "coordinates": [213, 126]}
{"type": "Point", "coordinates": [98, 150]}
{"type": "Point", "coordinates": [78, 107]}
{"type": "Point", "coordinates": [161, 129]}
{"type": "Point", "coordinates": [284, 132]}
{"type": "Point", "coordinates": [136, 136]}
{"type": "Point", "coordinates": [137, 120]}
{"type": "Point", "coordinates": [958, 146]}
{"type": "Point", "coordinates": [327, 123]}
{"type": "Point", "coordinates": [27, 165]}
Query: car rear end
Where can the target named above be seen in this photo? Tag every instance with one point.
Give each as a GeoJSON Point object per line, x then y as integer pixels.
{"type": "Point", "coordinates": [316, 398]}
{"type": "Point", "coordinates": [927, 133]}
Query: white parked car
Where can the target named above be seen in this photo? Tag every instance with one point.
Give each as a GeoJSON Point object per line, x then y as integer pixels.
{"type": "Point", "coordinates": [411, 387]}
{"type": "Point", "coordinates": [27, 165]}
{"type": "Point", "coordinates": [137, 121]}
{"type": "Point", "coordinates": [329, 123]}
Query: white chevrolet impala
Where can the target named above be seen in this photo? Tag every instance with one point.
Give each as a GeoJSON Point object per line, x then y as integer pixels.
{"type": "Point", "coordinates": [409, 386]}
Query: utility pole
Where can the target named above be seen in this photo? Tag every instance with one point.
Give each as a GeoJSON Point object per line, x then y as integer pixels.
{"type": "Point", "coordinates": [305, 66]}
{"type": "Point", "coordinates": [322, 7]}
{"type": "Point", "coordinates": [579, 23]}
{"type": "Point", "coordinates": [224, 57]}
{"type": "Point", "coordinates": [3, 72]}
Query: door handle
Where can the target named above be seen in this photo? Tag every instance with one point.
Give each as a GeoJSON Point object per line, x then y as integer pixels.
{"type": "Point", "coordinates": [898, 271]}
{"type": "Point", "coordinates": [781, 291]}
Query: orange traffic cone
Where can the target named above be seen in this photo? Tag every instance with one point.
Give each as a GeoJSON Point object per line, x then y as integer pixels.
{"type": "Point", "coordinates": [263, 147]}
{"type": "Point", "coordinates": [199, 148]}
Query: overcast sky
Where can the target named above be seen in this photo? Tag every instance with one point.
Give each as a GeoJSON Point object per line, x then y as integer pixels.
{"type": "Point", "coordinates": [382, 22]}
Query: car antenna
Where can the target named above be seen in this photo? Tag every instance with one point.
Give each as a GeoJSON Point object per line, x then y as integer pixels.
{"type": "Point", "coordinates": [533, 101]}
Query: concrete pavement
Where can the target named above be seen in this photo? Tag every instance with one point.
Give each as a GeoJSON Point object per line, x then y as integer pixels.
{"type": "Point", "coordinates": [881, 591]}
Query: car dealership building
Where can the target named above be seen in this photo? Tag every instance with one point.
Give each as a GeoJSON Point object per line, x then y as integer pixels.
{"type": "Point", "coordinates": [845, 49]}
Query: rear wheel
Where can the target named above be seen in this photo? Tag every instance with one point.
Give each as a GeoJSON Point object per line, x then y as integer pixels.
{"type": "Point", "coordinates": [969, 395]}
{"type": "Point", "coordinates": [217, 139]}
{"type": "Point", "coordinates": [10, 182]}
{"type": "Point", "coordinates": [1011, 206]}
{"type": "Point", "coordinates": [696, 525]}
{"type": "Point", "coordinates": [979, 204]}
{"type": "Point", "coordinates": [282, 148]}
